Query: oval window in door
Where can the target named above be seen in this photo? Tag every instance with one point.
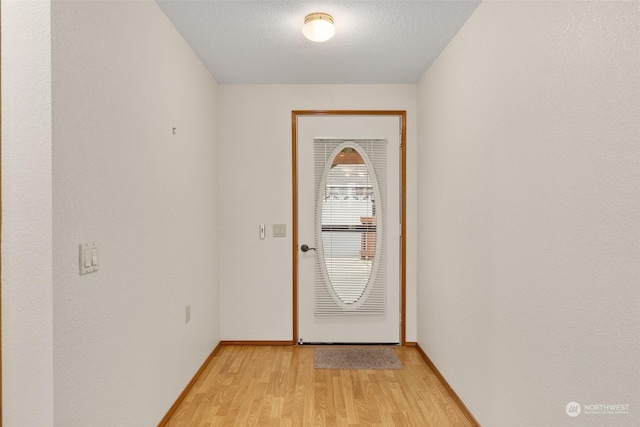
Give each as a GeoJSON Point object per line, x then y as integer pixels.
{"type": "Point", "coordinates": [348, 224]}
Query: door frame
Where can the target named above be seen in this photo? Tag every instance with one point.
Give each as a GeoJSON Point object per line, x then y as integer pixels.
{"type": "Point", "coordinates": [402, 114]}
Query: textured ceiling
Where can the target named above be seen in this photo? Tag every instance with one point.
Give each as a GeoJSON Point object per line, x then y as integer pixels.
{"type": "Point", "coordinates": [261, 41]}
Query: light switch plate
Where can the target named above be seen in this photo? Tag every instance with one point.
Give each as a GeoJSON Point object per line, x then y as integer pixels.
{"type": "Point", "coordinates": [279, 230]}
{"type": "Point", "coordinates": [88, 257]}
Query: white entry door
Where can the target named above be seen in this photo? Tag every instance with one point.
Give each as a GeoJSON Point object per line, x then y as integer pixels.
{"type": "Point", "coordinates": [348, 170]}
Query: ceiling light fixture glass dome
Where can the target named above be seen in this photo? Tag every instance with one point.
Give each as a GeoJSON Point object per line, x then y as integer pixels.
{"type": "Point", "coordinates": [318, 27]}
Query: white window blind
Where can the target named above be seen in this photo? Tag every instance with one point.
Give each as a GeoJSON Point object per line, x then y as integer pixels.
{"type": "Point", "coordinates": [350, 179]}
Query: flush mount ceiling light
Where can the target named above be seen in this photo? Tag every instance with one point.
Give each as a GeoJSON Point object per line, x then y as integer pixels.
{"type": "Point", "coordinates": [318, 27]}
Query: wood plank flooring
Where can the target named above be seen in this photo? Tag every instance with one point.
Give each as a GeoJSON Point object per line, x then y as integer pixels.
{"type": "Point", "coordinates": [278, 386]}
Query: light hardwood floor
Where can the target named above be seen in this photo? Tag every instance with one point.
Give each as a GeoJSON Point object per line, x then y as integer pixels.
{"type": "Point", "coordinates": [278, 386]}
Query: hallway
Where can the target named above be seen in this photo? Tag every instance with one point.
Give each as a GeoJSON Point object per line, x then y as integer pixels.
{"type": "Point", "coordinates": [522, 226]}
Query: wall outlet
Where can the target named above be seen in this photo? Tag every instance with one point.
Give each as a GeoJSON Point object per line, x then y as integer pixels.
{"type": "Point", "coordinates": [187, 313]}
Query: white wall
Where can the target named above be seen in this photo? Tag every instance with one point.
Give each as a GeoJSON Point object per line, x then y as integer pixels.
{"type": "Point", "coordinates": [27, 299]}
{"type": "Point", "coordinates": [255, 187]}
{"type": "Point", "coordinates": [529, 225]}
{"type": "Point", "coordinates": [122, 79]}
